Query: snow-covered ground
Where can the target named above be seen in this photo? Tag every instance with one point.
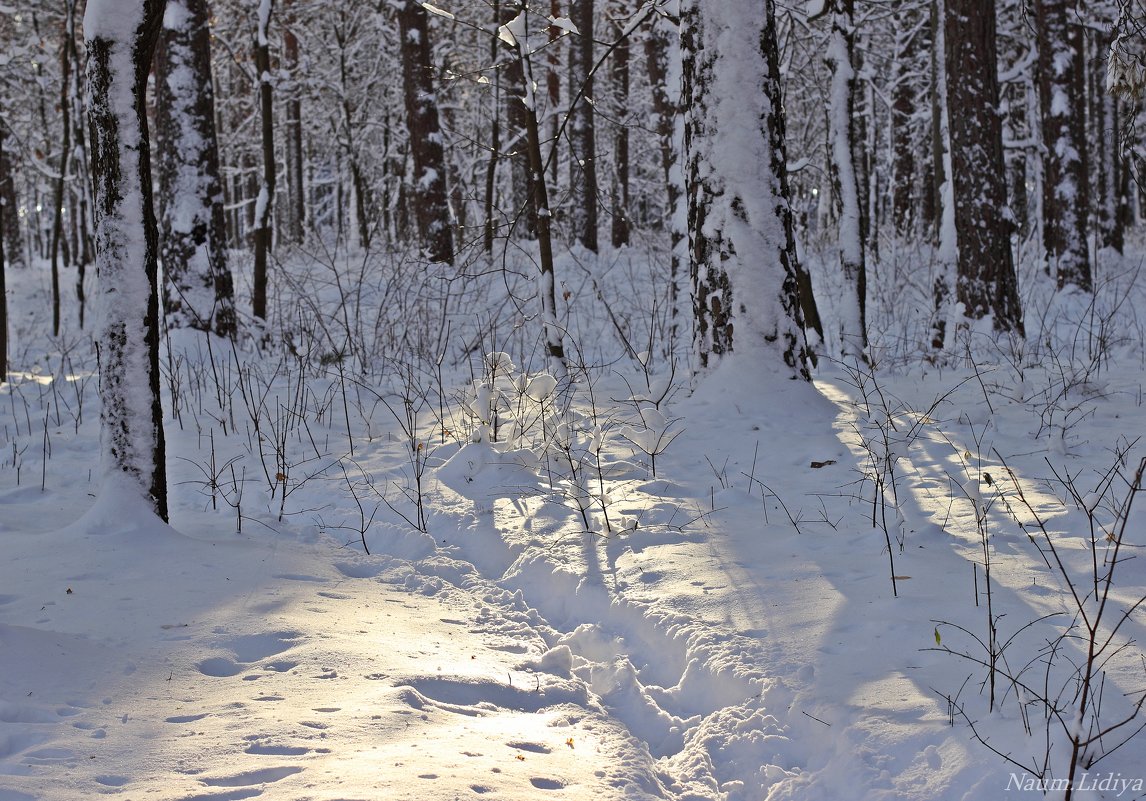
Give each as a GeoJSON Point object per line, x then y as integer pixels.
{"type": "Point", "coordinates": [727, 628]}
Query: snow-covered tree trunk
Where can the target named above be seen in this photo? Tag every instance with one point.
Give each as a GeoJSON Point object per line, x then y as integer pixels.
{"type": "Point", "coordinates": [1104, 137]}
{"type": "Point", "coordinates": [944, 187]}
{"type": "Point", "coordinates": [1066, 201]}
{"type": "Point", "coordinates": [431, 207]}
{"type": "Point", "coordinates": [120, 36]}
{"type": "Point", "coordinates": [582, 130]}
{"type": "Point", "coordinates": [851, 330]}
{"type": "Point", "coordinates": [515, 34]}
{"type": "Point", "coordinates": [985, 282]}
{"type": "Point", "coordinates": [263, 205]}
{"type": "Point", "coordinates": [3, 286]}
{"type": "Point", "coordinates": [524, 200]}
{"type": "Point", "coordinates": [741, 244]}
{"type": "Point", "coordinates": [198, 288]}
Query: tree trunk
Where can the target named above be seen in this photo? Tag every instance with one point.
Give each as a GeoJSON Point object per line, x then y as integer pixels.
{"type": "Point", "coordinates": [662, 58]}
{"type": "Point", "coordinates": [620, 78]}
{"type": "Point", "coordinates": [983, 223]}
{"type": "Point", "coordinates": [741, 242]}
{"type": "Point", "coordinates": [547, 281]}
{"type": "Point", "coordinates": [582, 135]}
{"type": "Point", "coordinates": [120, 38]}
{"type": "Point", "coordinates": [903, 106]}
{"type": "Point", "coordinates": [65, 152]}
{"type": "Point", "coordinates": [1066, 201]}
{"type": "Point", "coordinates": [524, 202]}
{"type": "Point", "coordinates": [10, 230]}
{"type": "Point", "coordinates": [198, 290]}
{"type": "Point", "coordinates": [494, 139]}
{"type": "Point", "coordinates": [944, 200]}
{"type": "Point", "coordinates": [851, 326]}
{"type": "Point", "coordinates": [4, 212]}
{"type": "Point", "coordinates": [431, 206]}
{"type": "Point", "coordinates": [296, 188]}
{"type": "Point", "coordinates": [266, 195]}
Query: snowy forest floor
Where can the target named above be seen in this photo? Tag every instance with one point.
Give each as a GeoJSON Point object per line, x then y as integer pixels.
{"type": "Point", "coordinates": [726, 627]}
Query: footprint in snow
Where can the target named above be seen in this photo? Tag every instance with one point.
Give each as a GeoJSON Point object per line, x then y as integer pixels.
{"type": "Point", "coordinates": [252, 777]}
{"type": "Point", "coordinates": [185, 718]}
{"type": "Point", "coordinates": [536, 748]}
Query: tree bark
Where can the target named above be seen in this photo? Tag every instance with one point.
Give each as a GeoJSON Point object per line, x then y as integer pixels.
{"type": "Point", "coordinates": [547, 281]}
{"type": "Point", "coordinates": [296, 188]}
{"type": "Point", "coordinates": [620, 224]}
{"type": "Point", "coordinates": [985, 282]}
{"type": "Point", "coordinates": [583, 136]}
{"type": "Point", "coordinates": [65, 153]}
{"type": "Point", "coordinates": [845, 171]}
{"type": "Point", "coordinates": [904, 100]}
{"type": "Point", "coordinates": [10, 229]}
{"type": "Point", "coordinates": [3, 285]}
{"type": "Point", "coordinates": [263, 205]}
{"type": "Point", "coordinates": [1066, 200]}
{"type": "Point", "coordinates": [431, 204]}
{"type": "Point", "coordinates": [741, 241]}
{"type": "Point", "coordinates": [120, 37]}
{"type": "Point", "coordinates": [199, 289]}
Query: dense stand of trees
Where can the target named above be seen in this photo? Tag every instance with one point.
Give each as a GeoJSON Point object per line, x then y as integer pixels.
{"type": "Point", "coordinates": [960, 131]}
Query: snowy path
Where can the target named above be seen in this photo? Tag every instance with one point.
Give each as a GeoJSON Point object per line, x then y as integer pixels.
{"type": "Point", "coordinates": [741, 644]}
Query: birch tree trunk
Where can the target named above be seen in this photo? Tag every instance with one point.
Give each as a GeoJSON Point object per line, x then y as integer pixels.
{"type": "Point", "coordinates": [120, 37]}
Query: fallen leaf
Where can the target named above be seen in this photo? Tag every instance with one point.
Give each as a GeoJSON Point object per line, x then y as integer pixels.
{"type": "Point", "coordinates": [818, 465]}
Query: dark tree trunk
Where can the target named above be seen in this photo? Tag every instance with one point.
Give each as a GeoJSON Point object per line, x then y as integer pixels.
{"type": "Point", "coordinates": [431, 205]}
{"type": "Point", "coordinates": [198, 290]}
{"type": "Point", "coordinates": [660, 46]}
{"type": "Point", "coordinates": [620, 79]}
{"type": "Point", "coordinates": [65, 153]}
{"type": "Point", "coordinates": [494, 139]}
{"type": "Point", "coordinates": [126, 245]}
{"type": "Point", "coordinates": [10, 230]}
{"type": "Point", "coordinates": [985, 282]}
{"type": "Point", "coordinates": [521, 178]}
{"type": "Point", "coordinates": [582, 135]}
{"type": "Point", "coordinates": [1066, 200]}
{"type": "Point", "coordinates": [904, 100]}
{"type": "Point", "coordinates": [551, 331]}
{"type": "Point", "coordinates": [4, 212]}
{"type": "Point", "coordinates": [263, 206]}
{"type": "Point", "coordinates": [296, 188]}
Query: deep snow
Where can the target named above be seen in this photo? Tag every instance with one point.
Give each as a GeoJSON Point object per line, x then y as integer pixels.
{"type": "Point", "coordinates": [727, 630]}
